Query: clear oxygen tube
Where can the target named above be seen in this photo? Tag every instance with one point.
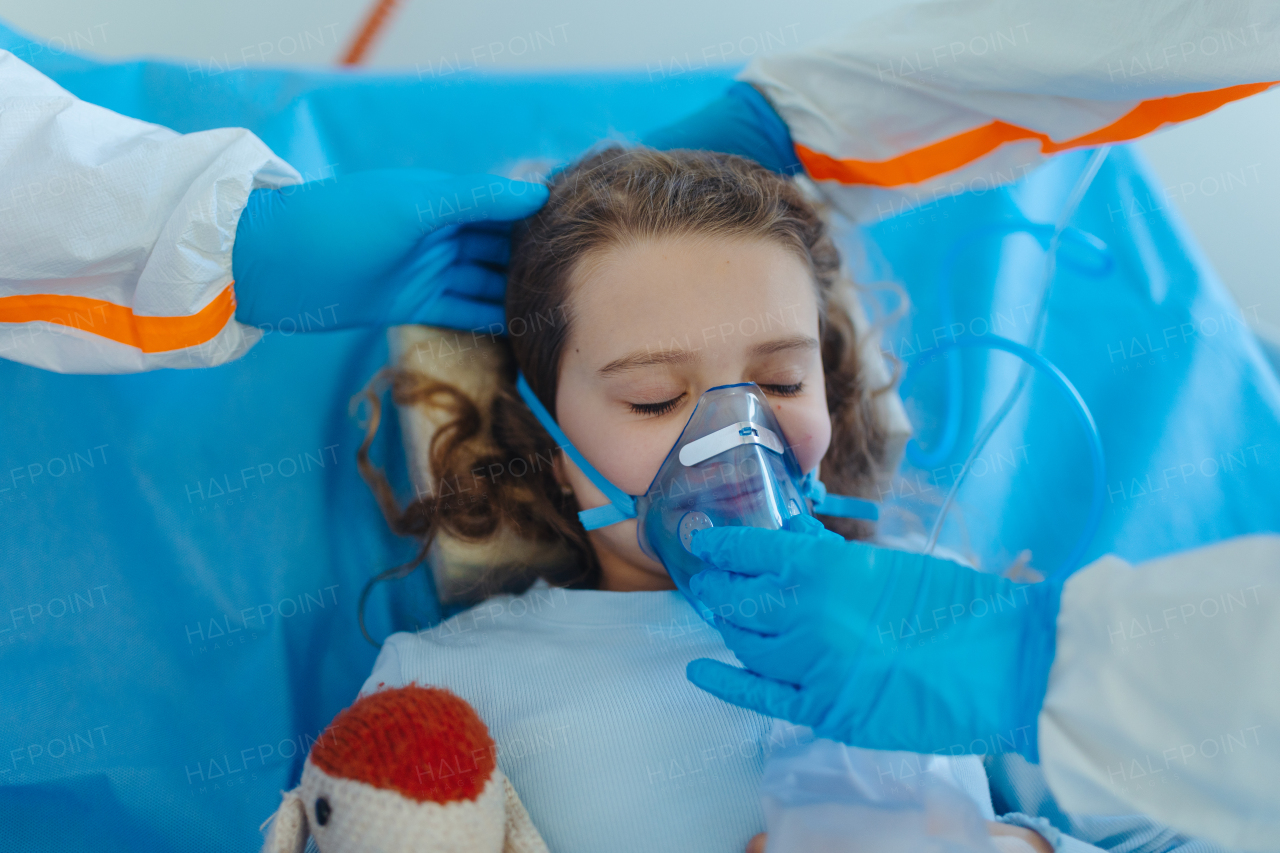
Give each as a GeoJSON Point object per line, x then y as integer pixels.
{"type": "Point", "coordinates": [1052, 238]}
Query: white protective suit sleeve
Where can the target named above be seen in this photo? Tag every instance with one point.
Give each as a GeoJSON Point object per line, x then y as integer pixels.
{"type": "Point", "coordinates": [937, 98]}
{"type": "Point", "coordinates": [1164, 696]}
{"type": "Point", "coordinates": [116, 234]}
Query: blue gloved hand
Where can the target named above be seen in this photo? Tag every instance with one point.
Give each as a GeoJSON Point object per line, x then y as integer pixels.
{"type": "Point", "coordinates": [379, 248]}
{"type": "Point", "coordinates": [741, 122]}
{"type": "Point", "coordinates": [873, 647]}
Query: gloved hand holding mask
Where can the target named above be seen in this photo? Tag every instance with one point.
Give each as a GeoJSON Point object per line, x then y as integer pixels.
{"type": "Point", "coordinates": [873, 647]}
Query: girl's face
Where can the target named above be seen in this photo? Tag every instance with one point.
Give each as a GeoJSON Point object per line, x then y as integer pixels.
{"type": "Point", "coordinates": [655, 324]}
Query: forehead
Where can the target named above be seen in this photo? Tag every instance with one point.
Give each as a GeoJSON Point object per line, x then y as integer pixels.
{"type": "Point", "coordinates": [687, 289]}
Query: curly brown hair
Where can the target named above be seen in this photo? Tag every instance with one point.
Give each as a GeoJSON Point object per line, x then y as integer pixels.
{"type": "Point", "coordinates": [612, 196]}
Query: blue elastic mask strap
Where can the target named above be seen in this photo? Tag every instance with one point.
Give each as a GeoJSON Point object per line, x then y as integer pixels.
{"type": "Point", "coordinates": [621, 505]}
{"type": "Point", "coordinates": [841, 506]}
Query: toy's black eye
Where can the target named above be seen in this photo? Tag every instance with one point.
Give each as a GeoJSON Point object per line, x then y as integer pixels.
{"type": "Point", "coordinates": [322, 811]}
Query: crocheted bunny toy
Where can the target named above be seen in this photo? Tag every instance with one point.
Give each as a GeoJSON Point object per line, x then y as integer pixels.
{"type": "Point", "coordinates": [404, 769]}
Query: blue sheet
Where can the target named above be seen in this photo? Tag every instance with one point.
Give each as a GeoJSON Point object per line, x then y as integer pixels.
{"type": "Point", "coordinates": [183, 550]}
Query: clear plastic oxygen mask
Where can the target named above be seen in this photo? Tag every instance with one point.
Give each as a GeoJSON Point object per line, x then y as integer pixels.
{"type": "Point", "coordinates": [730, 467]}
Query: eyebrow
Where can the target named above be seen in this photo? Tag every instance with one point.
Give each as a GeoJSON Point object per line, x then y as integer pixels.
{"type": "Point", "coordinates": [778, 345]}
{"type": "Point", "coordinates": [651, 358]}
{"type": "Point", "coordinates": [648, 358]}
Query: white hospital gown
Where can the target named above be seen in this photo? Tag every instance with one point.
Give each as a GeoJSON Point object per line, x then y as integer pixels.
{"type": "Point", "coordinates": [608, 744]}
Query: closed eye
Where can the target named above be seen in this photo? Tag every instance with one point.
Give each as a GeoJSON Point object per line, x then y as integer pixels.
{"type": "Point", "coordinates": [784, 390]}
{"type": "Point", "coordinates": [656, 409]}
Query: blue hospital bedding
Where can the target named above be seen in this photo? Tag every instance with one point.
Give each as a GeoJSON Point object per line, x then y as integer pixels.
{"type": "Point", "coordinates": [182, 551]}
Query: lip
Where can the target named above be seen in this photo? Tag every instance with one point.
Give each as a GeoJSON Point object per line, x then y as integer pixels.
{"type": "Point", "coordinates": [732, 501]}
{"type": "Point", "coordinates": [725, 496]}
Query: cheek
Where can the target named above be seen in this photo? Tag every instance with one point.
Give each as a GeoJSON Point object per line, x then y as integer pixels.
{"type": "Point", "coordinates": [625, 453]}
{"type": "Point", "coordinates": [626, 458]}
{"type": "Point", "coordinates": [808, 430]}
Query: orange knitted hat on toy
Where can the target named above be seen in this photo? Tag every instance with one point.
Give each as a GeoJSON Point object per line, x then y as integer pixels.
{"type": "Point", "coordinates": [423, 742]}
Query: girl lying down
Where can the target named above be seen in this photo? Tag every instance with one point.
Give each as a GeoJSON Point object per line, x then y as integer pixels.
{"type": "Point", "coordinates": [665, 274]}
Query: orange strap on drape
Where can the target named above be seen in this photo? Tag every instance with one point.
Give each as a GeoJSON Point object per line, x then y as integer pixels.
{"type": "Point", "coordinates": [373, 24]}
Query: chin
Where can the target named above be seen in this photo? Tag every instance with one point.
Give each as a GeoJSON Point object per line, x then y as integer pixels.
{"type": "Point", "coordinates": [619, 541]}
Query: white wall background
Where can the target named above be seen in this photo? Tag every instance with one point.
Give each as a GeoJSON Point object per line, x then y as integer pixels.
{"type": "Point", "coordinates": [1222, 171]}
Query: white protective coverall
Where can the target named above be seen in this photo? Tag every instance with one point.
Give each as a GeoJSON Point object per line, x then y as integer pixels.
{"type": "Point", "coordinates": [1164, 696]}
{"type": "Point", "coordinates": [115, 256]}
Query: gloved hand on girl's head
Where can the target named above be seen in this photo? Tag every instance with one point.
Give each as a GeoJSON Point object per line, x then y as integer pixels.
{"type": "Point", "coordinates": [380, 248]}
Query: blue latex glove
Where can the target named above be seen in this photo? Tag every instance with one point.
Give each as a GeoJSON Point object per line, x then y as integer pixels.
{"type": "Point", "coordinates": [740, 122]}
{"type": "Point", "coordinates": [876, 648]}
{"type": "Point", "coordinates": [380, 248]}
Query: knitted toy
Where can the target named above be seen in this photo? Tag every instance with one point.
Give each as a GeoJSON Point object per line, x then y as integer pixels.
{"type": "Point", "coordinates": [404, 769]}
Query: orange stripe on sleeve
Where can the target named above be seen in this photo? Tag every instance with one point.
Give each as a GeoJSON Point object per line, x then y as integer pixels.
{"type": "Point", "coordinates": [119, 323]}
{"type": "Point", "coordinates": [954, 152]}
